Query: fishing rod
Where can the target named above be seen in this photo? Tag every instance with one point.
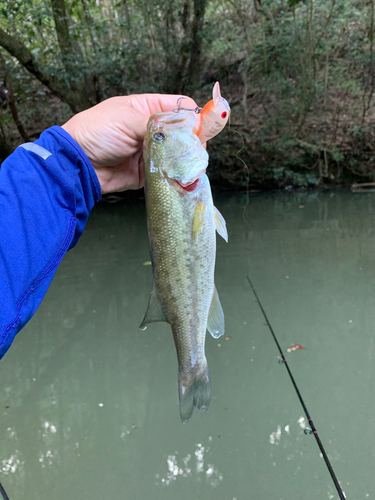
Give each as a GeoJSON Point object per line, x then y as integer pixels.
{"type": "Point", "coordinates": [312, 426]}
{"type": "Point", "coordinates": [2, 491]}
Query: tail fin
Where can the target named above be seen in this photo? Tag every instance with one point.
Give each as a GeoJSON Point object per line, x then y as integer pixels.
{"type": "Point", "coordinates": [194, 389]}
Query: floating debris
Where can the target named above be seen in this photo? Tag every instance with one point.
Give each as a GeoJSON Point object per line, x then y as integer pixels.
{"type": "Point", "coordinates": [295, 347]}
{"type": "Point", "coordinates": [111, 198]}
{"type": "Point", "coordinates": [227, 337]}
{"type": "Point", "coordinates": [147, 263]}
{"type": "Point", "coordinates": [363, 187]}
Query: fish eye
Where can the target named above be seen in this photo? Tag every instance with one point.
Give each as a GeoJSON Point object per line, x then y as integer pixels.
{"type": "Point", "coordinates": [159, 136]}
{"type": "Point", "coordinates": [224, 114]}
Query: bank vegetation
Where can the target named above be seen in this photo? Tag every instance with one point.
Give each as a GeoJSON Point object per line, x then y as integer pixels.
{"type": "Point", "coordinates": [299, 76]}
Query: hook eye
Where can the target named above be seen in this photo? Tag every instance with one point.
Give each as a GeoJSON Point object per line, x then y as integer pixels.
{"type": "Point", "coordinates": [159, 136]}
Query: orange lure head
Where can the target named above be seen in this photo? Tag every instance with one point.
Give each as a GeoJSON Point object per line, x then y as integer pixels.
{"type": "Point", "coordinates": [214, 116]}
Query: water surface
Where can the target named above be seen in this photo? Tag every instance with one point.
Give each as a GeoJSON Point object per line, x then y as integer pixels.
{"type": "Point", "coordinates": [89, 403]}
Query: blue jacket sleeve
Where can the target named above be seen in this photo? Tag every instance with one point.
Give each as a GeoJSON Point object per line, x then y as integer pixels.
{"type": "Point", "coordinates": [47, 190]}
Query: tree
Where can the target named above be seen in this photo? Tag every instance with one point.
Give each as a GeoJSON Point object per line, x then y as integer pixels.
{"type": "Point", "coordinates": [69, 94]}
{"type": "Point", "coordinates": [73, 89]}
{"type": "Point", "coordinates": [184, 55]}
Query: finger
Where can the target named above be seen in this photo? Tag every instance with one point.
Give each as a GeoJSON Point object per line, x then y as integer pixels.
{"type": "Point", "coordinates": [134, 126]}
{"type": "Point", "coordinates": [169, 102]}
{"type": "Point", "coordinates": [158, 103]}
{"type": "Point", "coordinates": [149, 104]}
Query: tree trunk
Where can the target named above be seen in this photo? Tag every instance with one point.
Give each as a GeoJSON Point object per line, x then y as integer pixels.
{"type": "Point", "coordinates": [11, 100]}
{"type": "Point", "coordinates": [179, 72]}
{"type": "Point", "coordinates": [75, 98]}
{"type": "Point", "coordinates": [186, 75]}
{"type": "Point", "coordinates": [71, 52]}
{"type": "Point", "coordinates": [127, 13]}
{"type": "Point", "coordinates": [62, 30]}
{"type": "Point", "coordinates": [195, 66]}
{"type": "Point", "coordinates": [92, 81]}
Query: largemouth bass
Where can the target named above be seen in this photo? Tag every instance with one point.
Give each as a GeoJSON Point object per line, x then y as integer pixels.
{"type": "Point", "coordinates": [182, 220]}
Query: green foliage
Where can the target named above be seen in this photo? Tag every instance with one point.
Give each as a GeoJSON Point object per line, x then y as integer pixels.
{"type": "Point", "coordinates": [299, 74]}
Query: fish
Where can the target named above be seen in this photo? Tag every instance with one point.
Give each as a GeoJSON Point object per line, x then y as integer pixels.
{"type": "Point", "coordinates": [214, 116]}
{"type": "Point", "coordinates": [182, 221]}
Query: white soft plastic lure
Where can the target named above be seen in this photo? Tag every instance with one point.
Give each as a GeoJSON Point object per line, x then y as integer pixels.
{"type": "Point", "coordinates": [214, 116]}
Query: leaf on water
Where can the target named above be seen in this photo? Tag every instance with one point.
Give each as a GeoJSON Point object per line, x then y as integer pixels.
{"type": "Point", "coordinates": [147, 263]}
{"type": "Point", "coordinates": [295, 347]}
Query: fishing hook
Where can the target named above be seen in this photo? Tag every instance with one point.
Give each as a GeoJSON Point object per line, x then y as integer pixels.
{"type": "Point", "coordinates": [196, 110]}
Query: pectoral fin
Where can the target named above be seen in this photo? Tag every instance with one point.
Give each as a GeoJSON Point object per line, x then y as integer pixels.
{"type": "Point", "coordinates": [215, 322]}
{"type": "Point", "coordinates": [220, 224]}
{"type": "Point", "coordinates": [155, 311]}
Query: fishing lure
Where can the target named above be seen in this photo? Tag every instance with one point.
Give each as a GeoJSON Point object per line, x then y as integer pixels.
{"type": "Point", "coordinates": [214, 115]}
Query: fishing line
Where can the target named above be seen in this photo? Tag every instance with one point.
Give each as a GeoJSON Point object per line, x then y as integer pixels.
{"type": "Point", "coordinates": [247, 172]}
{"type": "Point", "coordinates": [2, 491]}
{"type": "Point", "coordinates": [313, 428]}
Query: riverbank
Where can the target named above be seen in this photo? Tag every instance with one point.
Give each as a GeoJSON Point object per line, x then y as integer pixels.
{"type": "Point", "coordinates": [262, 147]}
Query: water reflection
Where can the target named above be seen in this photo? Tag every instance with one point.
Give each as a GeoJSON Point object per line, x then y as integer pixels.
{"type": "Point", "coordinates": [188, 465]}
{"type": "Point", "coordinates": [11, 464]}
{"type": "Point", "coordinates": [275, 436]}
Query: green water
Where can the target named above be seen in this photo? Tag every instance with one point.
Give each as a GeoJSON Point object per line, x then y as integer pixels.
{"type": "Point", "coordinates": [89, 403]}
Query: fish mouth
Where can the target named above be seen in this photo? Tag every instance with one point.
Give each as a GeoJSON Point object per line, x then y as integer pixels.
{"type": "Point", "coordinates": [189, 186]}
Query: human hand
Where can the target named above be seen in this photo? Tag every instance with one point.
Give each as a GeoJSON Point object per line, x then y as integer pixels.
{"type": "Point", "coordinates": [112, 132]}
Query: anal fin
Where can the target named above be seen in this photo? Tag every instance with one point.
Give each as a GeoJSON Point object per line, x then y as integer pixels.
{"type": "Point", "coordinates": [215, 322]}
